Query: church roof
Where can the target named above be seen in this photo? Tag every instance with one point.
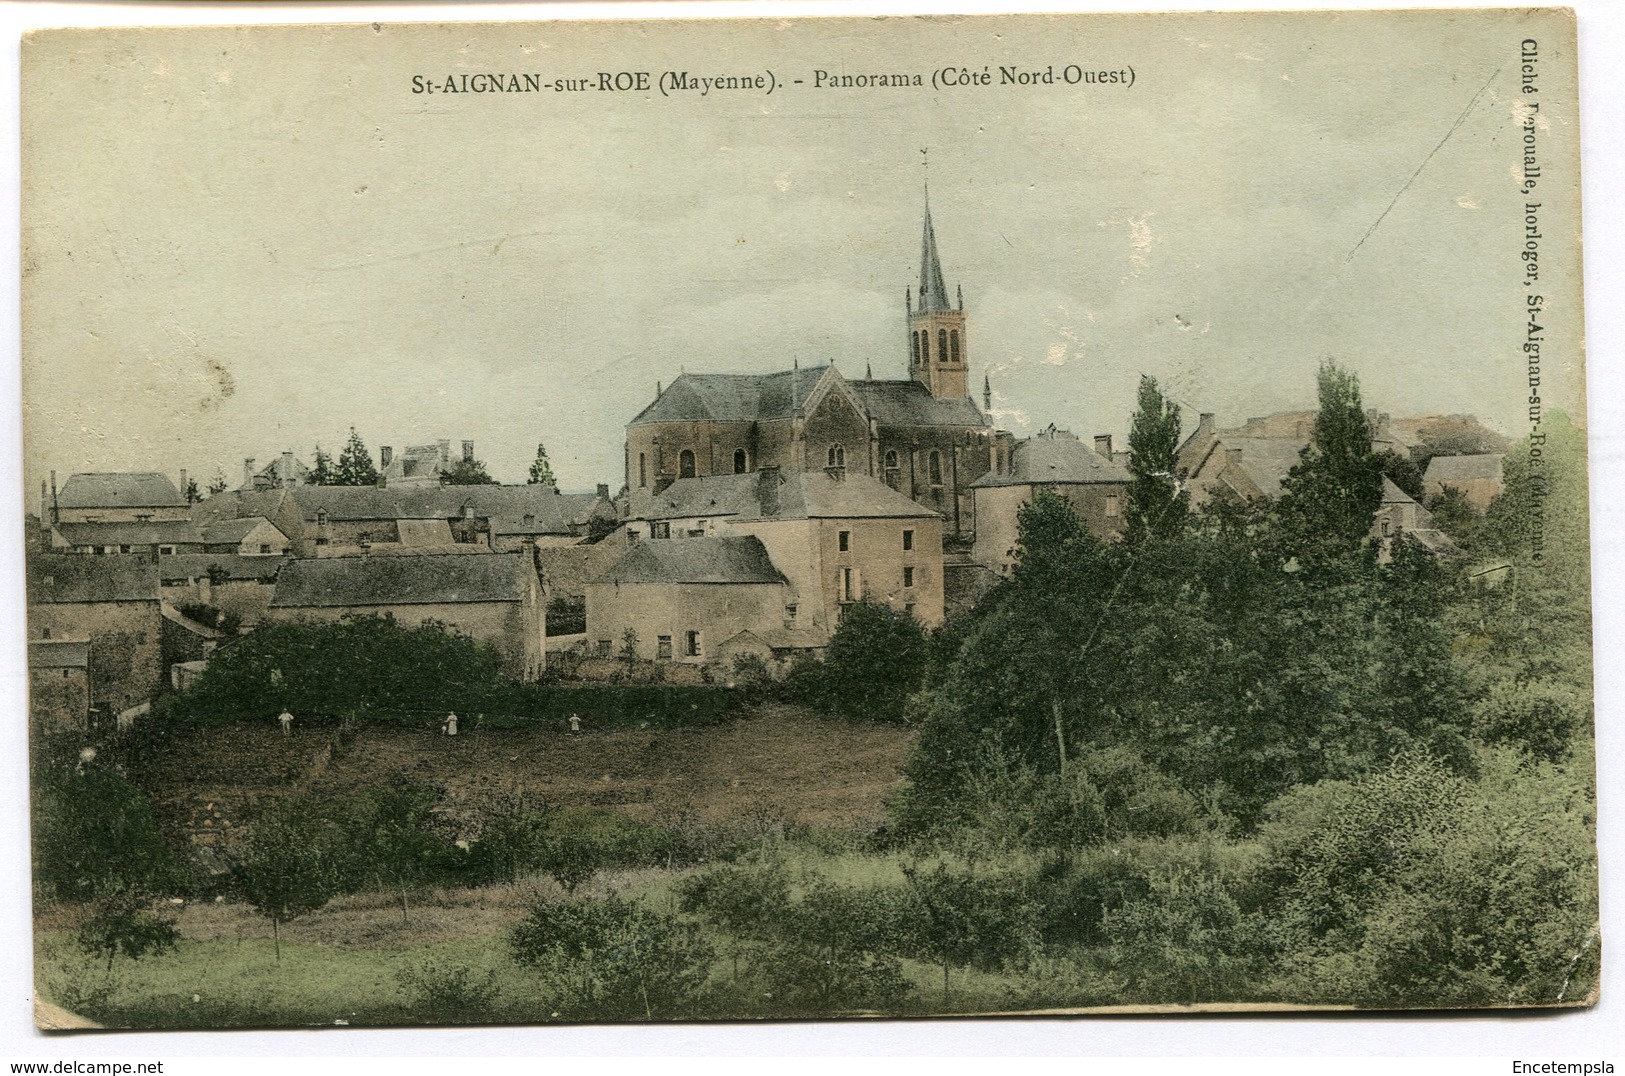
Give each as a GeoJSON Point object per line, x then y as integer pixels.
{"type": "Point", "coordinates": [774, 495]}
{"type": "Point", "coordinates": [733, 397]}
{"type": "Point", "coordinates": [933, 293]}
{"type": "Point", "coordinates": [694, 560]}
{"type": "Point", "coordinates": [1058, 458]}
{"type": "Point", "coordinates": [910, 403]}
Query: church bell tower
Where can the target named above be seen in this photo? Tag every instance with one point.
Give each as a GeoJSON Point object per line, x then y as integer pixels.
{"type": "Point", "coordinates": [938, 349]}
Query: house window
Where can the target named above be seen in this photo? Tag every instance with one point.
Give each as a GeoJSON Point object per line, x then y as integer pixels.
{"type": "Point", "coordinates": [265, 547]}
{"type": "Point", "coordinates": [1111, 505]}
{"type": "Point", "coordinates": [908, 577]}
{"type": "Point", "coordinates": [46, 634]}
{"type": "Point", "coordinates": [741, 461]}
{"type": "Point", "coordinates": [603, 648]}
{"type": "Point", "coordinates": [321, 517]}
{"type": "Point", "coordinates": [166, 550]}
{"type": "Point", "coordinates": [790, 616]}
{"type": "Point", "coordinates": [663, 648]}
{"type": "Point", "coordinates": [321, 539]}
{"type": "Point", "coordinates": [643, 470]}
{"type": "Point", "coordinates": [837, 455]}
{"type": "Point", "coordinates": [891, 467]}
{"type": "Point", "coordinates": [660, 529]}
{"type": "Point", "coordinates": [935, 468]}
{"type": "Point", "coordinates": [845, 585]}
{"type": "Point", "coordinates": [143, 519]}
{"type": "Point", "coordinates": [64, 674]}
{"type": "Point", "coordinates": [1385, 526]}
{"type": "Point", "coordinates": [843, 541]}
{"type": "Point", "coordinates": [908, 539]}
{"type": "Point", "coordinates": [124, 549]}
{"type": "Point", "coordinates": [685, 464]}
{"type": "Point", "coordinates": [908, 607]}
{"type": "Point", "coordinates": [691, 644]}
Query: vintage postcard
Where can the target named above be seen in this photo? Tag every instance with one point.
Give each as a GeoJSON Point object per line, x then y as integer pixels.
{"type": "Point", "coordinates": [777, 518]}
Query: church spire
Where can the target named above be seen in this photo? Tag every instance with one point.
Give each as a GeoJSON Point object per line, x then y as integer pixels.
{"type": "Point", "coordinates": [933, 292]}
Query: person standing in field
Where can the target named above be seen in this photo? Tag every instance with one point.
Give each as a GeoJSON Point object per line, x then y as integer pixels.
{"type": "Point", "coordinates": [449, 726]}
{"type": "Point", "coordinates": [285, 719]}
{"type": "Point", "coordinates": [575, 722]}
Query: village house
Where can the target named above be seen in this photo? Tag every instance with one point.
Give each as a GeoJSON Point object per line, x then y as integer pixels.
{"type": "Point", "coordinates": [165, 538]}
{"type": "Point", "coordinates": [1399, 515]}
{"type": "Point", "coordinates": [253, 536]}
{"type": "Point", "coordinates": [284, 472]}
{"type": "Point", "coordinates": [923, 435]}
{"type": "Point", "coordinates": [1478, 477]}
{"type": "Point", "coordinates": [836, 539]}
{"type": "Point", "coordinates": [112, 604]}
{"type": "Point", "coordinates": [125, 497]}
{"type": "Point", "coordinates": [1087, 476]}
{"type": "Point", "coordinates": [494, 598]}
{"type": "Point", "coordinates": [59, 685]}
{"type": "Point", "coordinates": [239, 587]}
{"type": "Point", "coordinates": [690, 601]}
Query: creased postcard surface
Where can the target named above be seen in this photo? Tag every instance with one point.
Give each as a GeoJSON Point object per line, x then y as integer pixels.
{"type": "Point", "coordinates": [595, 521]}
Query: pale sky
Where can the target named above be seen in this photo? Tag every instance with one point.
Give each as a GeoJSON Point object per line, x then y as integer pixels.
{"type": "Point", "coordinates": [241, 241]}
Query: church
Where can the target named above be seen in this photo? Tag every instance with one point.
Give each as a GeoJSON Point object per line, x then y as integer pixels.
{"type": "Point", "coordinates": [922, 435]}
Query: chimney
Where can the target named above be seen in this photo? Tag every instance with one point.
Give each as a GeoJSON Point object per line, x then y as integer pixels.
{"type": "Point", "coordinates": [248, 472]}
{"type": "Point", "coordinates": [44, 505]}
{"type": "Point", "coordinates": [603, 491]}
{"type": "Point", "coordinates": [445, 454]}
{"type": "Point", "coordinates": [468, 451]}
{"type": "Point", "coordinates": [53, 498]}
{"type": "Point", "coordinates": [183, 481]}
{"type": "Point", "coordinates": [287, 469]}
{"type": "Point", "coordinates": [1232, 456]}
{"type": "Point", "coordinates": [1205, 422]}
{"type": "Point", "coordinates": [385, 454]}
{"type": "Point", "coordinates": [1103, 445]}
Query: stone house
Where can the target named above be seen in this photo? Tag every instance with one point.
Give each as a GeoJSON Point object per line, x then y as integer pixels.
{"type": "Point", "coordinates": [1398, 515]}
{"type": "Point", "coordinates": [836, 539]}
{"type": "Point", "coordinates": [284, 472]}
{"type": "Point", "coordinates": [684, 599]}
{"type": "Point", "coordinates": [59, 685]}
{"type": "Point", "coordinates": [495, 598]}
{"type": "Point", "coordinates": [151, 538]}
{"type": "Point", "coordinates": [252, 536]}
{"type": "Point", "coordinates": [112, 603]}
{"type": "Point", "coordinates": [237, 586]}
{"type": "Point", "coordinates": [1478, 477]}
{"type": "Point", "coordinates": [125, 497]}
{"type": "Point", "coordinates": [1086, 476]}
{"type": "Point", "coordinates": [922, 435]}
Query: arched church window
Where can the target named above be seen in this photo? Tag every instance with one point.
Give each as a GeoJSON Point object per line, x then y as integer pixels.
{"type": "Point", "coordinates": [891, 467]}
{"type": "Point", "coordinates": [942, 345]}
{"type": "Point", "coordinates": [953, 344]}
{"type": "Point", "coordinates": [936, 468]}
{"type": "Point", "coordinates": [837, 455]}
{"type": "Point", "coordinates": [643, 470]}
{"type": "Point", "coordinates": [916, 335]}
{"type": "Point", "coordinates": [925, 347]}
{"type": "Point", "coordinates": [741, 463]}
{"type": "Point", "coordinates": [685, 464]}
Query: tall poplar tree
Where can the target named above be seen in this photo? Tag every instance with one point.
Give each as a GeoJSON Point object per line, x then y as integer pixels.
{"type": "Point", "coordinates": [541, 471]}
{"type": "Point", "coordinates": [1157, 506]}
{"type": "Point", "coordinates": [1332, 494]}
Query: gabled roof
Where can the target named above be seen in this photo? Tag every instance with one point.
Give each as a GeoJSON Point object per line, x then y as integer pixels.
{"type": "Point", "coordinates": [505, 506]}
{"type": "Point", "coordinates": [1445, 470]}
{"type": "Point", "coordinates": [165, 532]}
{"type": "Point", "coordinates": [55, 579]}
{"type": "Point", "coordinates": [1392, 494]}
{"type": "Point", "coordinates": [235, 530]}
{"type": "Point", "coordinates": [186, 566]}
{"type": "Point", "coordinates": [694, 560]}
{"type": "Point", "coordinates": [1059, 458]}
{"type": "Point", "coordinates": [431, 579]}
{"type": "Point", "coordinates": [733, 397]}
{"type": "Point", "coordinates": [909, 403]}
{"type": "Point", "coordinates": [1266, 461]}
{"type": "Point", "coordinates": [132, 489]}
{"type": "Point", "coordinates": [771, 494]}
{"type": "Point", "coordinates": [239, 504]}
{"type": "Point", "coordinates": [58, 653]}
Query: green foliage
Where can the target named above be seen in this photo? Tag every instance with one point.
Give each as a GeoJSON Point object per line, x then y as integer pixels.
{"type": "Point", "coordinates": [1157, 504]}
{"type": "Point", "coordinates": [566, 615]}
{"type": "Point", "coordinates": [208, 615]}
{"type": "Point", "coordinates": [835, 949]}
{"type": "Point", "coordinates": [541, 471]}
{"type": "Point", "coordinates": [511, 835]}
{"type": "Point", "coordinates": [294, 860]}
{"type": "Point", "coordinates": [1186, 941]}
{"type": "Point", "coordinates": [323, 471]}
{"type": "Point", "coordinates": [355, 466]}
{"type": "Point", "coordinates": [874, 662]}
{"type": "Point", "coordinates": [95, 834]}
{"type": "Point", "coordinates": [1541, 717]}
{"type": "Point", "coordinates": [124, 923]}
{"type": "Point", "coordinates": [394, 839]}
{"type": "Point", "coordinates": [1330, 497]}
{"type": "Point", "coordinates": [467, 473]}
{"type": "Point", "coordinates": [446, 992]}
{"type": "Point", "coordinates": [1456, 518]}
{"type": "Point", "coordinates": [956, 919]}
{"type": "Point", "coordinates": [192, 493]}
{"type": "Point", "coordinates": [613, 958]}
{"type": "Point", "coordinates": [1402, 472]}
{"type": "Point", "coordinates": [353, 667]}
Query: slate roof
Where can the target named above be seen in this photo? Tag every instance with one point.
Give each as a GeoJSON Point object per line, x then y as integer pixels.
{"type": "Point", "coordinates": [772, 494]}
{"type": "Point", "coordinates": [1058, 459]}
{"type": "Point", "coordinates": [733, 397]}
{"type": "Point", "coordinates": [1265, 460]}
{"type": "Point", "coordinates": [58, 653]}
{"type": "Point", "coordinates": [933, 294]}
{"type": "Point", "coordinates": [55, 579]}
{"type": "Point", "coordinates": [235, 530]}
{"type": "Point", "coordinates": [1392, 494]}
{"type": "Point", "coordinates": [505, 506]}
{"type": "Point", "coordinates": [431, 579]}
{"type": "Point", "coordinates": [909, 403]}
{"type": "Point", "coordinates": [1445, 470]}
{"type": "Point", "coordinates": [167, 532]}
{"type": "Point", "coordinates": [694, 560]}
{"type": "Point", "coordinates": [239, 504]}
{"type": "Point", "coordinates": [132, 489]}
{"type": "Point", "coordinates": [187, 566]}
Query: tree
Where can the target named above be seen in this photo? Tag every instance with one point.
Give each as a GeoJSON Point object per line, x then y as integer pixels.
{"type": "Point", "coordinates": [744, 902]}
{"type": "Point", "coordinates": [1157, 504]}
{"type": "Point", "coordinates": [192, 493]}
{"type": "Point", "coordinates": [323, 472]}
{"type": "Point", "coordinates": [467, 473]}
{"type": "Point", "coordinates": [218, 483]}
{"type": "Point", "coordinates": [1334, 491]}
{"type": "Point", "coordinates": [355, 463]}
{"type": "Point", "coordinates": [541, 471]}
{"type": "Point", "coordinates": [956, 919]}
{"type": "Point", "coordinates": [874, 663]}
{"type": "Point", "coordinates": [613, 957]}
{"type": "Point", "coordinates": [629, 650]}
{"type": "Point", "coordinates": [124, 922]}
{"type": "Point", "coordinates": [292, 862]}
{"type": "Point", "coordinates": [95, 833]}
{"type": "Point", "coordinates": [395, 839]}
{"type": "Point", "coordinates": [513, 827]}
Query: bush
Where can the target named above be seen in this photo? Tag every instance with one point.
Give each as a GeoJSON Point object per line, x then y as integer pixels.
{"type": "Point", "coordinates": [449, 993]}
